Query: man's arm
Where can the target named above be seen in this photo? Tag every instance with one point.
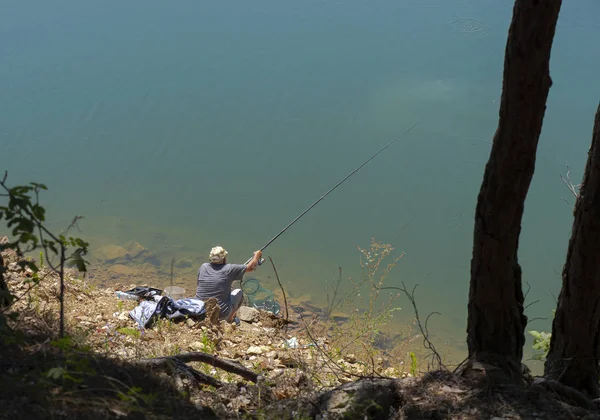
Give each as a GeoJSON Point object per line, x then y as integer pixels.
{"type": "Point", "coordinates": [254, 261]}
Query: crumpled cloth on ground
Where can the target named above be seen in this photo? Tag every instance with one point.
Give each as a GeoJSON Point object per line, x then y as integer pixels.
{"type": "Point", "coordinates": [147, 312]}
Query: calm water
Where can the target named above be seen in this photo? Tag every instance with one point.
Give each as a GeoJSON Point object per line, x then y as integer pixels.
{"type": "Point", "coordinates": [189, 124]}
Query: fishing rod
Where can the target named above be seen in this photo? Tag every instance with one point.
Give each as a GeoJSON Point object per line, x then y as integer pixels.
{"type": "Point", "coordinates": [274, 238]}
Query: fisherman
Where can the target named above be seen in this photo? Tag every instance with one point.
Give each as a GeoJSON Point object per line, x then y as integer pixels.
{"type": "Point", "coordinates": [215, 279]}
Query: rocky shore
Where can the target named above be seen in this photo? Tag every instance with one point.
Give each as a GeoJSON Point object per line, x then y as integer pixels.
{"type": "Point", "coordinates": [263, 368]}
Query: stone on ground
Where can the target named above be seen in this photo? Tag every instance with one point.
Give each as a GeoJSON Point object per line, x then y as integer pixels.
{"type": "Point", "coordinates": [247, 314]}
{"type": "Point", "coordinates": [366, 398]}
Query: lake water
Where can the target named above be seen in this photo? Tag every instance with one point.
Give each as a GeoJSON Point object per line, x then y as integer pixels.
{"type": "Point", "coordinates": [189, 124]}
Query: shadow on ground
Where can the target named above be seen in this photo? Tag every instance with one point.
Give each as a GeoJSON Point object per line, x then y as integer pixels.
{"type": "Point", "coordinates": [43, 377]}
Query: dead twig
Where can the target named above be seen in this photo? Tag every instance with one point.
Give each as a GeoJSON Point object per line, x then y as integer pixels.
{"type": "Point", "coordinates": [422, 327]}
{"type": "Point", "coordinates": [529, 321]}
{"type": "Point", "coordinates": [179, 359]}
{"type": "Point", "coordinates": [232, 367]}
{"type": "Point", "coordinates": [332, 304]}
{"type": "Point", "coordinates": [531, 303]}
{"type": "Point", "coordinates": [282, 291]}
{"type": "Point", "coordinates": [573, 188]}
{"type": "Point", "coordinates": [567, 181]}
{"type": "Point", "coordinates": [74, 223]}
{"type": "Point", "coordinates": [570, 205]}
{"type": "Point", "coordinates": [174, 366]}
{"type": "Point", "coordinates": [329, 360]}
{"type": "Point", "coordinates": [172, 266]}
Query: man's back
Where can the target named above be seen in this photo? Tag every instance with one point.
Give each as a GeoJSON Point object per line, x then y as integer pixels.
{"type": "Point", "coordinates": [214, 280]}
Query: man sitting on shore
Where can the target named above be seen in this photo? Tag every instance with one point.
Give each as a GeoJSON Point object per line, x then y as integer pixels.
{"type": "Point", "coordinates": [215, 279]}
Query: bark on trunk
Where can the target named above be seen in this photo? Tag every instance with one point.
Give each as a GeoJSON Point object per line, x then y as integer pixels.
{"type": "Point", "coordinates": [574, 348]}
{"type": "Point", "coordinates": [4, 292]}
{"type": "Point", "coordinates": [496, 323]}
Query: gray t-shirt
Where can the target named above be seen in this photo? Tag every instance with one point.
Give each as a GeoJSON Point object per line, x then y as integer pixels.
{"type": "Point", "coordinates": [214, 280]}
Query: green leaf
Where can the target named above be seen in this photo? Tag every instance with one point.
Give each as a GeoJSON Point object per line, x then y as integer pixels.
{"type": "Point", "coordinates": [39, 186]}
{"type": "Point", "coordinates": [52, 246]}
{"type": "Point", "coordinates": [64, 343]}
{"type": "Point", "coordinates": [76, 260]}
{"type": "Point", "coordinates": [39, 212]}
{"type": "Point", "coordinates": [29, 264]}
{"type": "Point", "coordinates": [132, 332]}
{"type": "Point", "coordinates": [56, 373]}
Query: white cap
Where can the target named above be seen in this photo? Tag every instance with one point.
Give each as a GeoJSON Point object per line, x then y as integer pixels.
{"type": "Point", "coordinates": [217, 255]}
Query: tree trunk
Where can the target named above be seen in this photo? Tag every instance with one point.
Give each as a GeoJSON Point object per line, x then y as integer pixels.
{"type": "Point", "coordinates": [496, 323]}
{"type": "Point", "coordinates": [574, 348]}
{"type": "Point", "coordinates": [4, 292]}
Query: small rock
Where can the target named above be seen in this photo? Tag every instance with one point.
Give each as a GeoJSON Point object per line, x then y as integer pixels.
{"type": "Point", "coordinates": [253, 350]}
{"type": "Point", "coordinates": [356, 399]}
{"type": "Point", "coordinates": [248, 314]}
{"type": "Point", "coordinates": [350, 358]}
{"type": "Point", "coordinates": [190, 322]}
{"type": "Point", "coordinates": [141, 254]}
{"type": "Point", "coordinates": [197, 346]}
{"type": "Point", "coordinates": [391, 372]}
{"type": "Point", "coordinates": [288, 361]}
{"type": "Point", "coordinates": [150, 335]}
{"type": "Point", "coordinates": [453, 390]}
{"type": "Point", "coordinates": [9, 255]}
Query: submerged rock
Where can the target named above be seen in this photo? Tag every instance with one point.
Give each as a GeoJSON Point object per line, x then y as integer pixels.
{"type": "Point", "coordinates": [124, 270]}
{"type": "Point", "coordinates": [131, 253]}
{"type": "Point", "coordinates": [386, 341]}
{"type": "Point", "coordinates": [184, 263]}
{"type": "Point", "coordinates": [112, 253]}
{"type": "Point", "coordinates": [141, 254]}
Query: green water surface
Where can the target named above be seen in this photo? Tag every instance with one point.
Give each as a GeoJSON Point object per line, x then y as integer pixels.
{"type": "Point", "coordinates": [188, 124]}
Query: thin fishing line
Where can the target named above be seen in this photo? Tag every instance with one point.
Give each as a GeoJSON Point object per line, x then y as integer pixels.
{"type": "Point", "coordinates": [335, 186]}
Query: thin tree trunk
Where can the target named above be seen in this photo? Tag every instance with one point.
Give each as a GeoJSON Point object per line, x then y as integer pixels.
{"type": "Point", "coordinates": [575, 346]}
{"type": "Point", "coordinates": [4, 292]}
{"type": "Point", "coordinates": [496, 323]}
